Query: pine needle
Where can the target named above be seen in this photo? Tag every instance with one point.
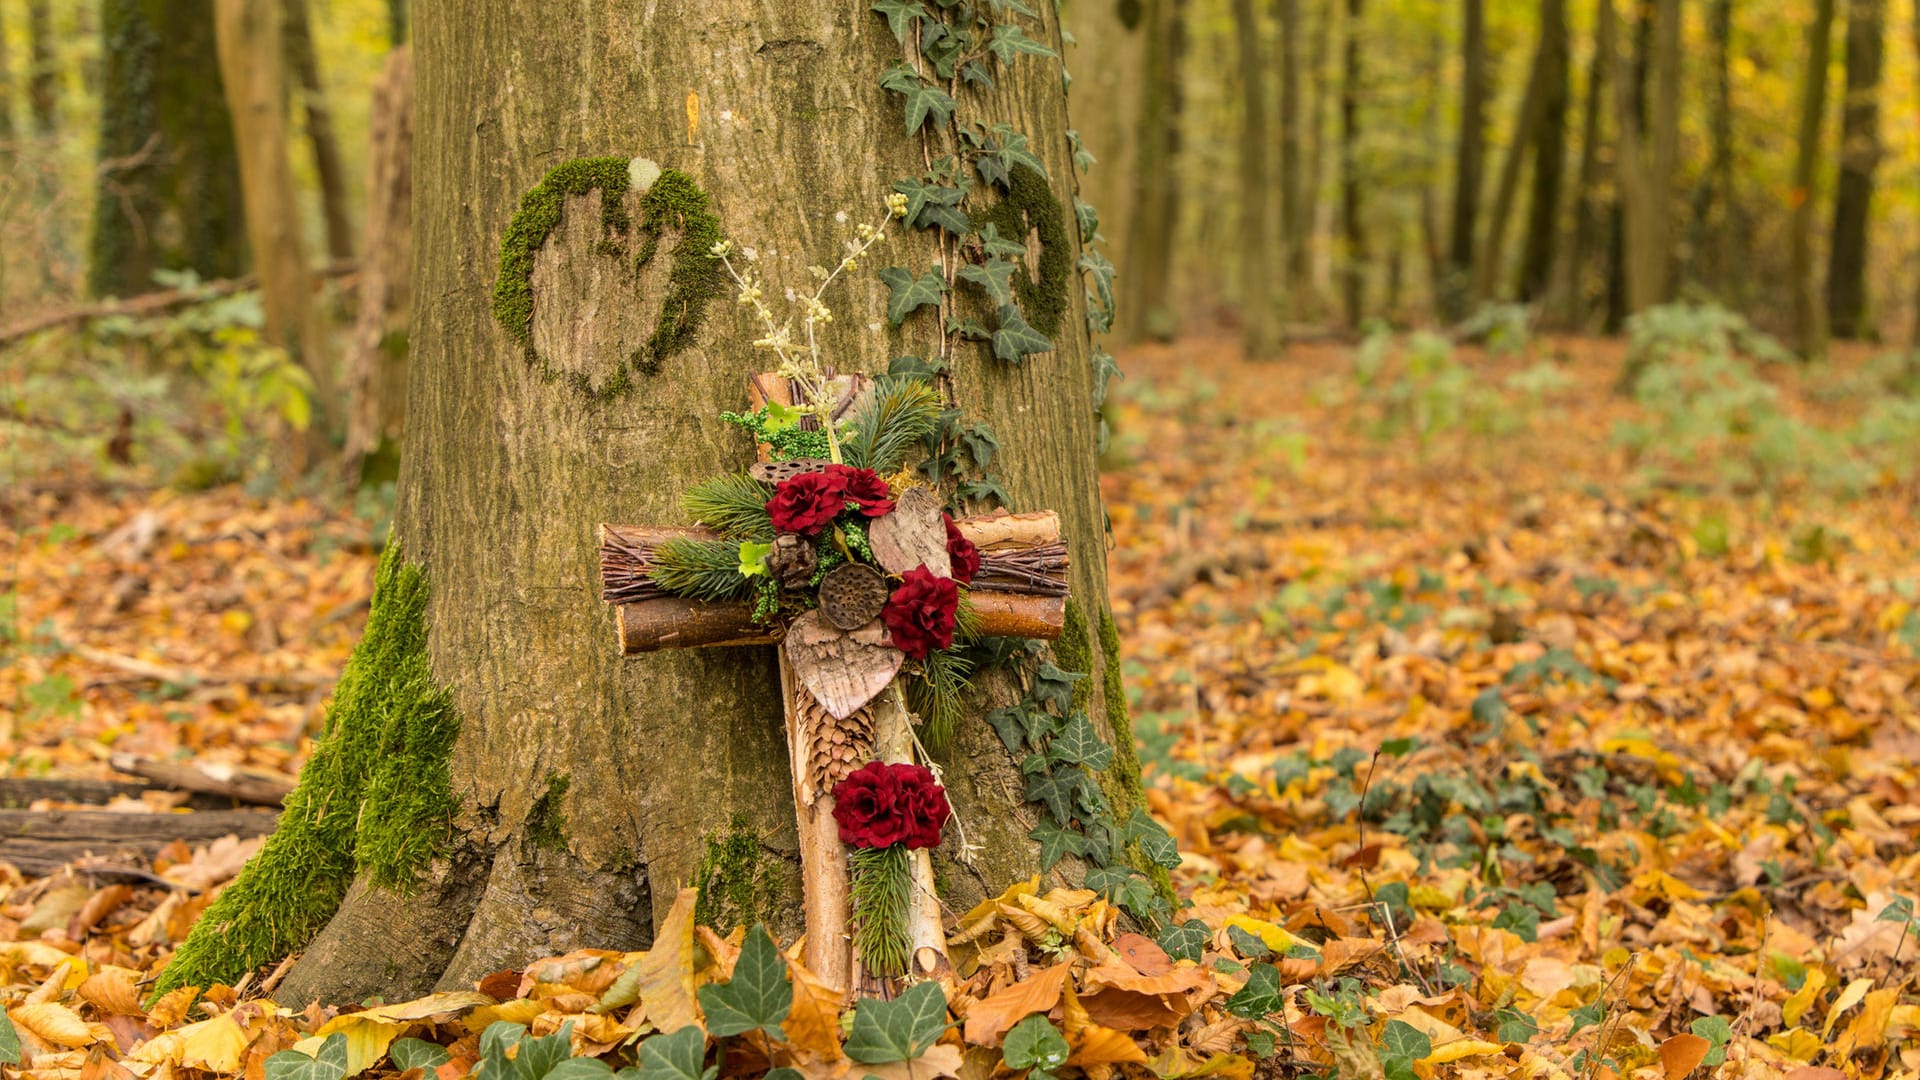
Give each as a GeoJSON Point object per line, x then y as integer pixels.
{"type": "Point", "coordinates": [733, 504]}
{"type": "Point", "coordinates": [898, 415]}
{"type": "Point", "coordinates": [881, 890]}
{"type": "Point", "coordinates": [701, 569]}
{"type": "Point", "coordinates": [938, 695]}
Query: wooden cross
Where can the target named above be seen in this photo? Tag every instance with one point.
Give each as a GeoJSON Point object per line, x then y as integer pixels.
{"type": "Point", "coordinates": [1020, 590]}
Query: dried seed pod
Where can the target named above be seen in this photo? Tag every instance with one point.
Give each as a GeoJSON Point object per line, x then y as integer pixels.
{"type": "Point", "coordinates": [852, 595]}
{"type": "Point", "coordinates": [773, 472]}
{"type": "Point", "coordinates": [793, 560]}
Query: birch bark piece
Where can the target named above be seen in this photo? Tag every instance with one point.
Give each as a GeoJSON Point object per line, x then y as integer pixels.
{"type": "Point", "coordinates": [893, 742]}
{"type": "Point", "coordinates": [913, 535]}
{"type": "Point", "coordinates": [825, 899]}
{"type": "Point", "coordinates": [843, 671]}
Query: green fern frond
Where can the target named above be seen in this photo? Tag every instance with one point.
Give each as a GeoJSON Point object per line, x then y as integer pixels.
{"type": "Point", "coordinates": [734, 505]}
{"type": "Point", "coordinates": [898, 415]}
{"type": "Point", "coordinates": [881, 890]}
{"type": "Point", "coordinates": [701, 569]}
{"type": "Point", "coordinates": [938, 695]}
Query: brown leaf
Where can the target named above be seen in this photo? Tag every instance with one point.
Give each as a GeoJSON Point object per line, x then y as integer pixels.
{"type": "Point", "coordinates": [1683, 1053]}
{"type": "Point", "coordinates": [813, 1023]}
{"type": "Point", "coordinates": [1128, 1011]}
{"type": "Point", "coordinates": [112, 990]}
{"type": "Point", "coordinates": [666, 971]}
{"type": "Point", "coordinates": [991, 1017]}
{"type": "Point", "coordinates": [1146, 956]}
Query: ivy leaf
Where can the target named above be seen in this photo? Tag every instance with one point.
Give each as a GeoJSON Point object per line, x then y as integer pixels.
{"type": "Point", "coordinates": [994, 244]}
{"type": "Point", "coordinates": [1057, 843]}
{"type": "Point", "coordinates": [1056, 789]}
{"type": "Point", "coordinates": [914, 367]}
{"type": "Point", "coordinates": [980, 443]}
{"type": "Point", "coordinates": [1079, 744]}
{"type": "Point", "coordinates": [986, 490]}
{"type": "Point", "coordinates": [1097, 267]}
{"type": "Point", "coordinates": [329, 1063]}
{"type": "Point", "coordinates": [536, 1057]}
{"type": "Point", "coordinates": [1014, 340]}
{"type": "Point", "coordinates": [758, 996]}
{"type": "Point", "coordinates": [580, 1068]}
{"type": "Point", "coordinates": [679, 1055]}
{"type": "Point", "coordinates": [971, 329]}
{"type": "Point", "coordinates": [1247, 945]}
{"type": "Point", "coordinates": [1021, 726]}
{"type": "Point", "coordinates": [1125, 886]}
{"type": "Point", "coordinates": [1105, 369]}
{"type": "Point", "coordinates": [975, 73]}
{"type": "Point", "coordinates": [407, 1054]}
{"type": "Point", "coordinates": [1088, 219]}
{"type": "Point", "coordinates": [1051, 686]}
{"type": "Point", "coordinates": [995, 276]}
{"type": "Point", "coordinates": [897, 1030]}
{"type": "Point", "coordinates": [1260, 996]}
{"type": "Point", "coordinates": [753, 557]}
{"type": "Point", "coordinates": [901, 15]}
{"type": "Point", "coordinates": [1403, 1042]}
{"type": "Point", "coordinates": [1082, 160]}
{"type": "Point", "coordinates": [1012, 149]}
{"type": "Point", "coordinates": [1034, 1043]}
{"type": "Point", "coordinates": [924, 99]}
{"type": "Point", "coordinates": [911, 293]}
{"type": "Point", "coordinates": [1154, 842]}
{"type": "Point", "coordinates": [1186, 941]}
{"type": "Point", "coordinates": [1010, 41]}
{"type": "Point", "coordinates": [9, 1040]}
{"type": "Point", "coordinates": [943, 46]}
{"type": "Point", "coordinates": [930, 204]}
{"type": "Point", "coordinates": [1015, 6]}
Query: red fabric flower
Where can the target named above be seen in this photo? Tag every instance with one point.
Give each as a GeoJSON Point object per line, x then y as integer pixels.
{"type": "Point", "coordinates": [921, 612]}
{"type": "Point", "coordinates": [864, 486]}
{"type": "Point", "coordinates": [806, 503]}
{"type": "Point", "coordinates": [962, 553]}
{"type": "Point", "coordinates": [879, 805]}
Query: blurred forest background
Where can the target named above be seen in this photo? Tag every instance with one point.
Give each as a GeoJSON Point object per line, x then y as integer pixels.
{"type": "Point", "coordinates": [204, 241]}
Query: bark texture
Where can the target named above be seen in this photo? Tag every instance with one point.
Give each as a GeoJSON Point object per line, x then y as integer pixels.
{"type": "Point", "coordinates": [1258, 306]}
{"type": "Point", "coordinates": [1847, 308]}
{"type": "Point", "coordinates": [1151, 226]}
{"type": "Point", "coordinates": [1809, 323]}
{"type": "Point", "coordinates": [1469, 160]}
{"type": "Point", "coordinates": [1106, 61]}
{"type": "Point", "coordinates": [589, 788]}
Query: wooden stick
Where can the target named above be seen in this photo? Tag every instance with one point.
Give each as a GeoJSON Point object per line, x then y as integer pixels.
{"type": "Point", "coordinates": [241, 784]}
{"type": "Point", "coordinates": [152, 303]}
{"type": "Point", "coordinates": [826, 892]}
{"type": "Point", "coordinates": [40, 842]}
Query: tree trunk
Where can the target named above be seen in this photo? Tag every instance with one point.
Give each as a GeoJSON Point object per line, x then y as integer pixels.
{"type": "Point", "coordinates": [1354, 277]}
{"type": "Point", "coordinates": [1589, 221]}
{"type": "Point", "coordinates": [169, 188]}
{"type": "Point", "coordinates": [1469, 158]}
{"type": "Point", "coordinates": [1915, 340]}
{"type": "Point", "coordinates": [1550, 154]}
{"type": "Point", "coordinates": [376, 361]}
{"type": "Point", "coordinates": [1259, 308]}
{"type": "Point", "coordinates": [43, 72]}
{"type": "Point", "coordinates": [249, 34]}
{"type": "Point", "coordinates": [1526, 126]}
{"type": "Point", "coordinates": [1147, 266]}
{"type": "Point", "coordinates": [584, 790]}
{"type": "Point", "coordinates": [1714, 210]}
{"type": "Point", "coordinates": [1847, 308]}
{"type": "Point", "coordinates": [1810, 330]}
{"type": "Point", "coordinates": [326, 149]}
{"type": "Point", "coordinates": [1646, 163]}
{"type": "Point", "coordinates": [1314, 167]}
{"type": "Point", "coordinates": [1107, 61]}
{"type": "Point", "coordinates": [1293, 225]}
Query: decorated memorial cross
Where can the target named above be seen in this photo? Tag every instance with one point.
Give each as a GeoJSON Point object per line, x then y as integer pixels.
{"type": "Point", "coordinates": [852, 568]}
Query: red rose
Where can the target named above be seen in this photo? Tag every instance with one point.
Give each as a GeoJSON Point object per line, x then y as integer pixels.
{"type": "Point", "coordinates": [921, 612]}
{"type": "Point", "coordinates": [962, 553]}
{"type": "Point", "coordinates": [879, 805]}
{"type": "Point", "coordinates": [864, 486]}
{"type": "Point", "coordinates": [806, 503]}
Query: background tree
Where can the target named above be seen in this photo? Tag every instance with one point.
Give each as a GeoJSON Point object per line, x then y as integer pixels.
{"type": "Point", "coordinates": [1590, 215]}
{"type": "Point", "coordinates": [1293, 224]}
{"type": "Point", "coordinates": [1549, 154]}
{"type": "Point", "coordinates": [304, 64]}
{"type": "Point", "coordinates": [1147, 307]}
{"type": "Point", "coordinates": [1107, 58]}
{"type": "Point", "coordinates": [1469, 156]}
{"type": "Point", "coordinates": [1847, 307]}
{"type": "Point", "coordinates": [1647, 159]}
{"type": "Point", "coordinates": [1354, 258]}
{"type": "Point", "coordinates": [502, 783]}
{"type": "Point", "coordinates": [1810, 330]}
{"type": "Point", "coordinates": [169, 178]}
{"type": "Point", "coordinates": [1259, 307]}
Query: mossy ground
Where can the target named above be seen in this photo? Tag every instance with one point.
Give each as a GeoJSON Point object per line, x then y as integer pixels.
{"type": "Point", "coordinates": [674, 201]}
{"type": "Point", "coordinates": [375, 798]}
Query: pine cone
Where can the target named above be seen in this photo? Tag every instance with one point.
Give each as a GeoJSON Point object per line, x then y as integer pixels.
{"type": "Point", "coordinates": [793, 560]}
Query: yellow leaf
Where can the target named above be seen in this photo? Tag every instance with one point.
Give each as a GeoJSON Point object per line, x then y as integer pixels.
{"type": "Point", "coordinates": [1854, 994]}
{"type": "Point", "coordinates": [1273, 937]}
{"type": "Point", "coordinates": [666, 972]}
{"type": "Point", "coordinates": [215, 1045]}
{"type": "Point", "coordinates": [1796, 1006]}
{"type": "Point", "coordinates": [1465, 1048]}
{"type": "Point", "coordinates": [1869, 1029]}
{"type": "Point", "coordinates": [367, 1039]}
{"type": "Point", "coordinates": [1797, 1043]}
{"type": "Point", "coordinates": [51, 1022]}
{"type": "Point", "coordinates": [517, 1011]}
{"type": "Point", "coordinates": [450, 1001]}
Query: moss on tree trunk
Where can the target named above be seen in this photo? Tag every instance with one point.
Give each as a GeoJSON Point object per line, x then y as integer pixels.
{"type": "Point", "coordinates": [675, 766]}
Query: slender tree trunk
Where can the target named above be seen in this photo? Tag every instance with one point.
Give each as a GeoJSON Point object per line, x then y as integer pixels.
{"type": "Point", "coordinates": [1550, 154]}
{"type": "Point", "coordinates": [1433, 142]}
{"type": "Point", "coordinates": [1847, 307]}
{"type": "Point", "coordinates": [1314, 167]}
{"type": "Point", "coordinates": [1526, 129]}
{"type": "Point", "coordinates": [1259, 309]}
{"type": "Point", "coordinates": [43, 72]}
{"type": "Point", "coordinates": [1589, 216]}
{"type": "Point", "coordinates": [1714, 209]}
{"type": "Point", "coordinates": [1646, 163]}
{"type": "Point", "coordinates": [305, 66]}
{"type": "Point", "coordinates": [7, 129]}
{"type": "Point", "coordinates": [1293, 223]}
{"type": "Point", "coordinates": [376, 361]}
{"type": "Point", "coordinates": [1810, 330]}
{"type": "Point", "coordinates": [584, 789]}
{"type": "Point", "coordinates": [1147, 267]}
{"type": "Point", "coordinates": [1469, 158]}
{"type": "Point", "coordinates": [1354, 277]}
{"type": "Point", "coordinates": [251, 52]}
{"type": "Point", "coordinates": [169, 187]}
{"type": "Point", "coordinates": [1915, 340]}
{"type": "Point", "coordinates": [1107, 60]}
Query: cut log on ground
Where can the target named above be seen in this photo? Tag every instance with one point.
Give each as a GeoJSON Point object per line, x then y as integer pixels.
{"type": "Point", "coordinates": [255, 787]}
{"type": "Point", "coordinates": [40, 842]}
{"type": "Point", "coordinates": [21, 792]}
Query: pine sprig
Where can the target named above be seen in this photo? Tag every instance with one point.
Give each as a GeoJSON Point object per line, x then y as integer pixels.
{"type": "Point", "coordinates": [881, 892]}
{"type": "Point", "coordinates": [898, 416]}
{"type": "Point", "coordinates": [701, 569]}
{"type": "Point", "coordinates": [733, 504]}
{"type": "Point", "coordinates": [938, 695]}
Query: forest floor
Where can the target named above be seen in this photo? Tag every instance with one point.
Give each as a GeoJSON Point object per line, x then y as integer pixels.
{"type": "Point", "coordinates": [1510, 755]}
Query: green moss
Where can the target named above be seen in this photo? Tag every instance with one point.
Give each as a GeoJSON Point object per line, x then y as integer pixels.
{"type": "Point", "coordinates": [374, 798]}
{"type": "Point", "coordinates": [729, 879]}
{"type": "Point", "coordinates": [1074, 652]}
{"type": "Point", "coordinates": [673, 202]}
{"type": "Point", "coordinates": [1030, 208]}
{"type": "Point", "coordinates": [547, 821]}
{"type": "Point", "coordinates": [1124, 787]}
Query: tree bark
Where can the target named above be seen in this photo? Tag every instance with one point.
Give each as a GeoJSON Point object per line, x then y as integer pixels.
{"type": "Point", "coordinates": [1313, 169]}
{"type": "Point", "coordinates": [1293, 224]}
{"type": "Point", "coordinates": [1549, 156]}
{"type": "Point", "coordinates": [1589, 220]}
{"type": "Point", "coordinates": [1526, 126]}
{"type": "Point", "coordinates": [249, 34]}
{"type": "Point", "coordinates": [1646, 162]}
{"type": "Point", "coordinates": [1809, 326]}
{"type": "Point", "coordinates": [1714, 210]}
{"type": "Point", "coordinates": [1259, 308]}
{"type": "Point", "coordinates": [1915, 338]}
{"type": "Point", "coordinates": [1354, 267]}
{"type": "Point", "coordinates": [1147, 267]}
{"type": "Point", "coordinates": [326, 148]}
{"type": "Point", "coordinates": [1469, 158]}
{"type": "Point", "coordinates": [1847, 307]}
{"type": "Point", "coordinates": [168, 195]}
{"type": "Point", "coordinates": [590, 788]}
{"type": "Point", "coordinates": [43, 72]}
